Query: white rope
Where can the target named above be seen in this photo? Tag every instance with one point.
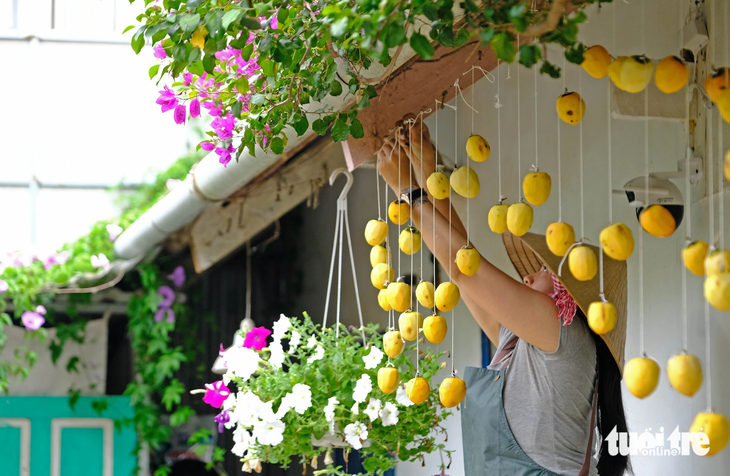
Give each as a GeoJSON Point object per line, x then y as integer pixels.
{"type": "Point", "coordinates": [710, 182]}
{"type": "Point", "coordinates": [537, 165]}
{"type": "Point", "coordinates": [397, 198]}
{"type": "Point", "coordinates": [582, 201]}
{"type": "Point", "coordinates": [377, 184]}
{"type": "Point", "coordinates": [560, 153]}
{"type": "Point", "coordinates": [433, 220]}
{"type": "Point", "coordinates": [498, 106]}
{"type": "Point", "coordinates": [646, 191]}
{"type": "Point", "coordinates": [610, 159]}
{"type": "Point", "coordinates": [519, 135]}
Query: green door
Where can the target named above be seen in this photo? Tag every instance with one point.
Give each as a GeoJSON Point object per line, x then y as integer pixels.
{"type": "Point", "coordinates": [42, 436]}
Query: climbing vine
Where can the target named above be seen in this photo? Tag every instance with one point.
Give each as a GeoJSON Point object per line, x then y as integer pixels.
{"type": "Point", "coordinates": [258, 67]}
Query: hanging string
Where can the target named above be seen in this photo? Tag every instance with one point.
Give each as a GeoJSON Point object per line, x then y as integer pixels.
{"type": "Point", "coordinates": [537, 165]}
{"type": "Point", "coordinates": [580, 142]}
{"type": "Point", "coordinates": [560, 172]}
{"type": "Point", "coordinates": [397, 198]}
{"type": "Point", "coordinates": [498, 106]}
{"type": "Point", "coordinates": [377, 184]}
{"type": "Point", "coordinates": [433, 219]}
{"type": "Point", "coordinates": [610, 155]}
{"type": "Point", "coordinates": [472, 102]}
{"type": "Point", "coordinates": [708, 353]}
{"type": "Point", "coordinates": [646, 192]}
{"type": "Point", "coordinates": [688, 197]}
{"type": "Point", "coordinates": [473, 110]}
{"type": "Point", "coordinates": [519, 135]}
{"type": "Point", "coordinates": [720, 144]}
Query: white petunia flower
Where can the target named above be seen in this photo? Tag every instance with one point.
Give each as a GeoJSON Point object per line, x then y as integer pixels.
{"type": "Point", "coordinates": [362, 388]}
{"type": "Point", "coordinates": [318, 354]}
{"type": "Point", "coordinates": [402, 397]}
{"type": "Point", "coordinates": [277, 354]}
{"type": "Point", "coordinates": [329, 410]}
{"type": "Point", "coordinates": [355, 433]}
{"type": "Point", "coordinates": [300, 398]}
{"type": "Point", "coordinates": [284, 407]}
{"type": "Point", "coordinates": [280, 327]}
{"type": "Point", "coordinates": [389, 414]}
{"type": "Point", "coordinates": [266, 412]}
{"type": "Point", "coordinates": [248, 407]}
{"type": "Point", "coordinates": [311, 342]}
{"type": "Point", "coordinates": [355, 409]}
{"type": "Point", "coordinates": [269, 432]}
{"type": "Point", "coordinates": [373, 358]}
{"type": "Point", "coordinates": [296, 338]}
{"type": "Point", "coordinates": [373, 409]}
{"type": "Point", "coordinates": [242, 362]}
{"type": "Point", "coordinates": [242, 441]}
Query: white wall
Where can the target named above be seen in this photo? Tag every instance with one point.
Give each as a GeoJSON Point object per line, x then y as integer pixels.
{"type": "Point", "coordinates": [76, 112]}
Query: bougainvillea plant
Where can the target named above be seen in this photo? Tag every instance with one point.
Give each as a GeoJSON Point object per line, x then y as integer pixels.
{"type": "Point", "coordinates": [259, 67]}
{"type": "Point", "coordinates": [323, 387]}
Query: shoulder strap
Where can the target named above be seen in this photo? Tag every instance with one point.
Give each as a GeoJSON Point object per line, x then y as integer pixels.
{"type": "Point", "coordinates": [585, 469]}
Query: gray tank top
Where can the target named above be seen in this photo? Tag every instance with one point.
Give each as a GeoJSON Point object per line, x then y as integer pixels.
{"type": "Point", "coordinates": [548, 397]}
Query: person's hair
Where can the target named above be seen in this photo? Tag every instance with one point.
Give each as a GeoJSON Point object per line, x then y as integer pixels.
{"type": "Point", "coordinates": [610, 409]}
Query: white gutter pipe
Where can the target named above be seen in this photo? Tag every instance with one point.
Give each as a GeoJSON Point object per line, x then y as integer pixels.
{"type": "Point", "coordinates": [208, 182]}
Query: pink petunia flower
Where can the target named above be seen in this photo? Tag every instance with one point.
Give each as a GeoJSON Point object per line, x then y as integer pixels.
{"type": "Point", "coordinates": [256, 338]}
{"type": "Point", "coordinates": [159, 52]}
{"type": "Point", "coordinates": [216, 393]}
{"type": "Point", "coordinates": [55, 259]}
{"type": "Point", "coordinates": [167, 99]}
{"type": "Point", "coordinates": [172, 183]}
{"type": "Point", "coordinates": [3, 286]}
{"type": "Point", "coordinates": [178, 276]}
{"type": "Point", "coordinates": [114, 231]}
{"type": "Point", "coordinates": [100, 261]}
{"type": "Point", "coordinates": [32, 320]}
{"type": "Point", "coordinates": [168, 296]}
{"type": "Point", "coordinates": [41, 309]}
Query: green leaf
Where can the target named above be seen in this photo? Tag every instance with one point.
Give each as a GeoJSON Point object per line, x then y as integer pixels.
{"type": "Point", "coordinates": [356, 129]}
{"type": "Point", "coordinates": [231, 16]}
{"type": "Point", "coordinates": [550, 69]}
{"type": "Point", "coordinates": [242, 85]}
{"type": "Point", "coordinates": [336, 88]}
{"type": "Point", "coordinates": [517, 16]}
{"type": "Point", "coordinates": [339, 27]}
{"type": "Point", "coordinates": [395, 36]}
{"type": "Point", "coordinates": [257, 99]}
{"type": "Point", "coordinates": [73, 398]}
{"type": "Point", "coordinates": [72, 363]}
{"type": "Point", "coordinates": [529, 55]}
{"type": "Point", "coordinates": [172, 393]}
{"type": "Point", "coordinates": [320, 127]}
{"type": "Point", "coordinates": [300, 124]}
{"type": "Point", "coordinates": [575, 53]}
{"type": "Point", "coordinates": [340, 131]}
{"type": "Point", "coordinates": [197, 68]}
{"type": "Point", "coordinates": [195, 55]}
{"type": "Point", "coordinates": [99, 406]}
{"type": "Point", "coordinates": [247, 51]}
{"type": "Point", "coordinates": [486, 36]}
{"type": "Point", "coordinates": [181, 416]}
{"type": "Point", "coordinates": [277, 145]}
{"type": "Point", "coordinates": [128, 28]}
{"type": "Point", "coordinates": [422, 46]}
{"type": "Point", "coordinates": [190, 22]}
{"type": "Point", "coordinates": [153, 70]}
{"type": "Point", "coordinates": [504, 47]}
{"type": "Point", "coordinates": [461, 37]}
{"type": "Point", "coordinates": [431, 12]}
{"type": "Point", "coordinates": [138, 40]}
{"type": "Point", "coordinates": [446, 36]}
{"type": "Point", "coordinates": [200, 436]}
{"type": "Point", "coordinates": [251, 23]}
{"type": "Point", "coordinates": [209, 64]}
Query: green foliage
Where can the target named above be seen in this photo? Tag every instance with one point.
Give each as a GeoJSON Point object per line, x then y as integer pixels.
{"type": "Point", "coordinates": [309, 50]}
{"type": "Point", "coordinates": [413, 436]}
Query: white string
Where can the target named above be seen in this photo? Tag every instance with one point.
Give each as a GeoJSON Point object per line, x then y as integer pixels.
{"type": "Point", "coordinates": [560, 173]}
{"type": "Point", "coordinates": [610, 158]}
{"type": "Point", "coordinates": [582, 204]}
{"type": "Point", "coordinates": [377, 184]}
{"type": "Point", "coordinates": [646, 191]}
{"type": "Point", "coordinates": [397, 199]}
{"type": "Point", "coordinates": [710, 129]}
{"type": "Point", "coordinates": [688, 197]}
{"type": "Point", "coordinates": [536, 147]}
{"type": "Point", "coordinates": [519, 135]}
{"type": "Point", "coordinates": [472, 102]}
{"type": "Point", "coordinates": [498, 106]}
{"type": "Point", "coordinates": [420, 116]}
{"type": "Point", "coordinates": [433, 219]}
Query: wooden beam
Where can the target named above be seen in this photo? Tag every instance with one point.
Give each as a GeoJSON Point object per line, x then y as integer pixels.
{"type": "Point", "coordinates": [224, 227]}
{"type": "Point", "coordinates": [414, 87]}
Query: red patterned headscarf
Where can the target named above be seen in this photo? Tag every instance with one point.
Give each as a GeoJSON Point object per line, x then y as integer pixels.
{"type": "Point", "coordinates": [567, 306]}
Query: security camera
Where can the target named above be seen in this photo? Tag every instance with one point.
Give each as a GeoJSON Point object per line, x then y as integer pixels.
{"type": "Point", "coordinates": [642, 192]}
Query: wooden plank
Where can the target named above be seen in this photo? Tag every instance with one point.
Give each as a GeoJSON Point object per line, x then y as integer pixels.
{"type": "Point", "coordinates": [412, 88]}
{"type": "Point", "coordinates": [223, 227]}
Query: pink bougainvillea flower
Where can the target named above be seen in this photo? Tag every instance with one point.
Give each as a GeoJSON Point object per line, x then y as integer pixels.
{"type": "Point", "coordinates": [194, 108]}
{"type": "Point", "coordinates": [167, 99]}
{"type": "Point", "coordinates": [180, 114]}
{"type": "Point", "coordinates": [32, 320]}
{"type": "Point", "coordinates": [256, 338]}
{"type": "Point", "coordinates": [178, 276]}
{"type": "Point", "coordinates": [100, 261]}
{"type": "Point", "coordinates": [114, 231]}
{"type": "Point", "coordinates": [4, 287]}
{"type": "Point", "coordinates": [187, 79]}
{"type": "Point", "coordinates": [55, 259]}
{"type": "Point", "coordinates": [216, 393]}
{"type": "Point", "coordinates": [222, 418]}
{"type": "Point", "coordinates": [41, 309]}
{"type": "Point", "coordinates": [224, 126]}
{"type": "Point", "coordinates": [228, 53]}
{"type": "Point", "coordinates": [172, 183]}
{"type": "Point", "coordinates": [168, 296]}
{"type": "Point", "coordinates": [213, 109]}
{"type": "Point", "coordinates": [159, 52]}
{"type": "Point", "coordinates": [225, 154]}
{"type": "Point", "coordinates": [165, 313]}
{"type": "Point", "coordinates": [208, 146]}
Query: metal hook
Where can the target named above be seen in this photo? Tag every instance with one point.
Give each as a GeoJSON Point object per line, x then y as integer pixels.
{"type": "Point", "coordinates": [348, 184]}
